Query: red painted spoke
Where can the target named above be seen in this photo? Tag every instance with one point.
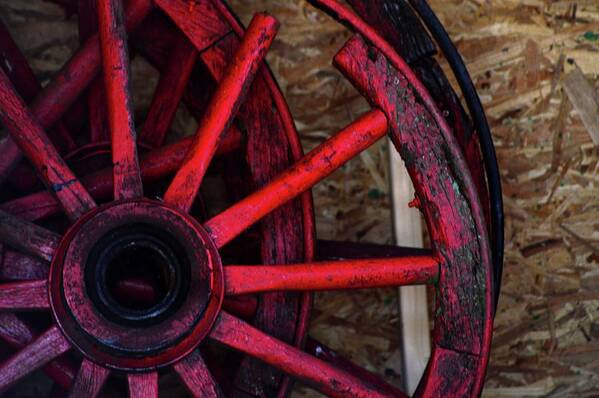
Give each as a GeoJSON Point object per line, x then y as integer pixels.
{"type": "Point", "coordinates": [96, 106]}
{"type": "Point", "coordinates": [223, 107]}
{"type": "Point", "coordinates": [321, 375]}
{"type": "Point", "coordinates": [143, 385]}
{"type": "Point", "coordinates": [30, 295]}
{"type": "Point", "coordinates": [89, 380]}
{"type": "Point", "coordinates": [46, 347]}
{"type": "Point", "coordinates": [14, 331]}
{"type": "Point", "coordinates": [27, 237]}
{"type": "Point", "coordinates": [76, 75]}
{"type": "Point", "coordinates": [16, 67]}
{"type": "Point", "coordinates": [10, 157]}
{"type": "Point", "coordinates": [346, 274]}
{"type": "Point", "coordinates": [87, 16]}
{"type": "Point", "coordinates": [324, 353]}
{"type": "Point", "coordinates": [21, 75]}
{"type": "Point", "coordinates": [200, 21]}
{"type": "Point", "coordinates": [113, 41]}
{"type": "Point", "coordinates": [16, 266]}
{"type": "Point", "coordinates": [18, 334]}
{"type": "Point", "coordinates": [141, 290]}
{"type": "Point", "coordinates": [243, 307]}
{"type": "Point", "coordinates": [170, 90]}
{"type": "Point", "coordinates": [58, 96]}
{"type": "Point", "coordinates": [342, 12]}
{"type": "Point", "coordinates": [35, 144]}
{"type": "Point", "coordinates": [154, 166]}
{"type": "Point", "coordinates": [197, 378]}
{"type": "Point", "coordinates": [315, 166]}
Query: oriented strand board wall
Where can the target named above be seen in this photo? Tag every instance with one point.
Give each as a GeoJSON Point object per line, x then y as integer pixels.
{"type": "Point", "coordinates": [536, 65]}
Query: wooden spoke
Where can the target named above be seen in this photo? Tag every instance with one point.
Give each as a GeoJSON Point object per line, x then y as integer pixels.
{"type": "Point", "coordinates": [46, 347]}
{"type": "Point", "coordinates": [197, 378]}
{"type": "Point", "coordinates": [324, 353]}
{"type": "Point", "coordinates": [58, 96]}
{"type": "Point", "coordinates": [315, 166]}
{"type": "Point", "coordinates": [10, 157]}
{"type": "Point", "coordinates": [34, 206]}
{"type": "Point", "coordinates": [16, 266]}
{"type": "Point", "coordinates": [201, 22]}
{"type": "Point", "coordinates": [30, 295]}
{"type": "Point", "coordinates": [16, 67]}
{"type": "Point", "coordinates": [115, 57]}
{"type": "Point", "coordinates": [18, 334]}
{"type": "Point", "coordinates": [89, 381]}
{"type": "Point", "coordinates": [156, 38]}
{"type": "Point", "coordinates": [243, 307]}
{"type": "Point", "coordinates": [14, 331]}
{"type": "Point", "coordinates": [154, 165]}
{"type": "Point", "coordinates": [28, 237]}
{"type": "Point", "coordinates": [170, 90]}
{"type": "Point", "coordinates": [223, 107]}
{"type": "Point", "coordinates": [326, 378]}
{"type": "Point", "coordinates": [21, 75]}
{"type": "Point", "coordinates": [35, 144]}
{"type": "Point", "coordinates": [347, 274]}
{"type": "Point", "coordinates": [339, 250]}
{"type": "Point", "coordinates": [76, 75]}
{"type": "Point", "coordinates": [336, 7]}
{"type": "Point", "coordinates": [143, 385]}
{"type": "Point", "coordinates": [87, 17]}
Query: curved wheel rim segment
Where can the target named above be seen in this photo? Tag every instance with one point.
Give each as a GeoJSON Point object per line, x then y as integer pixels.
{"type": "Point", "coordinates": [139, 278]}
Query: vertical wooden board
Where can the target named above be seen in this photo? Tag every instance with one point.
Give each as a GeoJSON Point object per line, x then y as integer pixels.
{"type": "Point", "coordinates": [413, 306]}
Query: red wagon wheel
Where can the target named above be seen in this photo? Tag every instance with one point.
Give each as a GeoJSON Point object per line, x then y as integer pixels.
{"type": "Point", "coordinates": [138, 287]}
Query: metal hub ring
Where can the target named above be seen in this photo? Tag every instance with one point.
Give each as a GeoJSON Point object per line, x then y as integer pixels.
{"type": "Point", "coordinates": [91, 270]}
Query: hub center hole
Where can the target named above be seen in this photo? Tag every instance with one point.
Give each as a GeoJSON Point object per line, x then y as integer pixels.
{"type": "Point", "coordinates": [138, 277]}
{"type": "Point", "coordinates": [137, 274]}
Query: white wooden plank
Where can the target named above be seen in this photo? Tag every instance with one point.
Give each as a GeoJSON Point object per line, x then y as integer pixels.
{"type": "Point", "coordinates": [407, 224]}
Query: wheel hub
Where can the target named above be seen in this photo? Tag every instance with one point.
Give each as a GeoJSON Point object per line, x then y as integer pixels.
{"type": "Point", "coordinates": [136, 285]}
{"type": "Point", "coordinates": [137, 258]}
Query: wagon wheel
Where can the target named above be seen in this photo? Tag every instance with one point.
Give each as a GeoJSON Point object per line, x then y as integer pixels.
{"type": "Point", "coordinates": [406, 25]}
{"type": "Point", "coordinates": [125, 319]}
